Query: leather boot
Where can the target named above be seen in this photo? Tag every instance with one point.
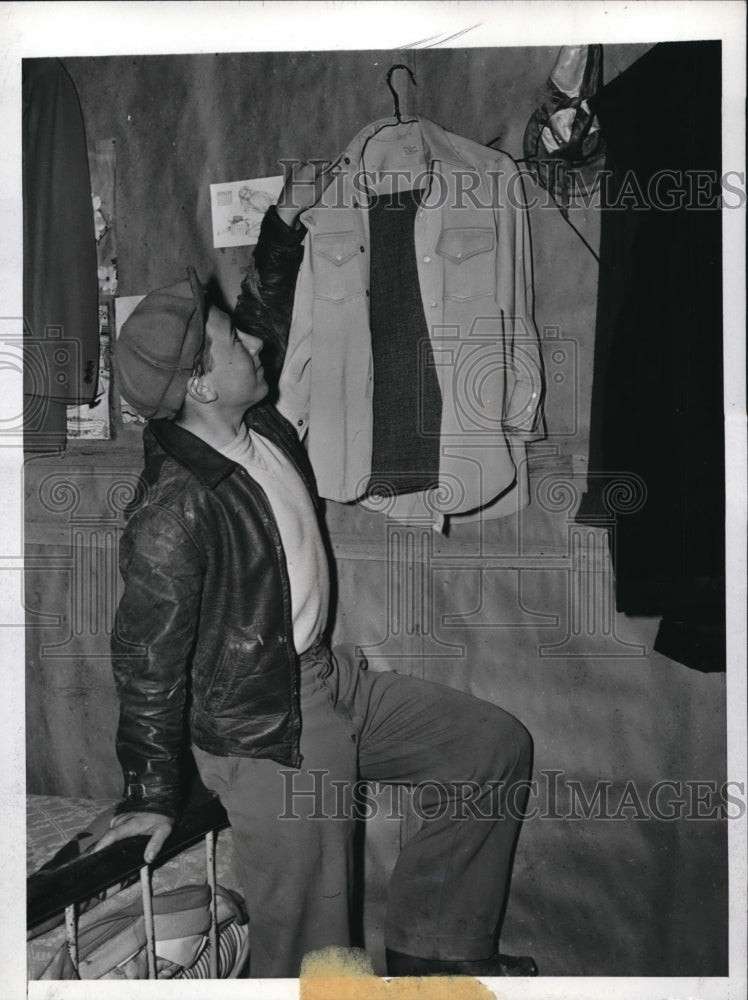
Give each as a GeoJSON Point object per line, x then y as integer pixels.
{"type": "Point", "coordinates": [400, 964]}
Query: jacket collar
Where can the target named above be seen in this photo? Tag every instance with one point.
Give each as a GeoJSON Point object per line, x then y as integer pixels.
{"type": "Point", "coordinates": [210, 467]}
{"type": "Point", "coordinates": [204, 462]}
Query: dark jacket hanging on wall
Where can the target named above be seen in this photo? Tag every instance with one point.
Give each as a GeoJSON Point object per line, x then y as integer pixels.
{"type": "Point", "coordinates": [657, 408]}
{"type": "Point", "coordinates": [60, 284]}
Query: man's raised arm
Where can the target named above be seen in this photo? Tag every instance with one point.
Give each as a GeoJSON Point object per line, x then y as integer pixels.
{"type": "Point", "coordinates": [265, 303]}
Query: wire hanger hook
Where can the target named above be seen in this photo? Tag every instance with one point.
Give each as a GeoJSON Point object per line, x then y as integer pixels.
{"type": "Point", "coordinates": [394, 93]}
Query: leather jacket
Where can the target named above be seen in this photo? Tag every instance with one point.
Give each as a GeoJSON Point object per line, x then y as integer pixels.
{"type": "Point", "coordinates": [203, 632]}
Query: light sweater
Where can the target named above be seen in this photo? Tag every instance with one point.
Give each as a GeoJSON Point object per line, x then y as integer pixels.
{"type": "Point", "coordinates": [306, 559]}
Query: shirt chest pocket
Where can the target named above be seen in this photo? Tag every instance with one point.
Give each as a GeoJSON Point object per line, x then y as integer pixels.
{"type": "Point", "coordinates": [469, 256]}
{"type": "Point", "coordinates": [336, 266]}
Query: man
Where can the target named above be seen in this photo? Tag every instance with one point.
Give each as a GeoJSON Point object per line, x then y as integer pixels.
{"type": "Point", "coordinates": [222, 619]}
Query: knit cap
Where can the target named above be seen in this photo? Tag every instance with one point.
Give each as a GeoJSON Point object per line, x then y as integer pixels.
{"type": "Point", "coordinates": [157, 346]}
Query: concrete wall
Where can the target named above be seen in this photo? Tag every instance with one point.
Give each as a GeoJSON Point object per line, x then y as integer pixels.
{"type": "Point", "coordinates": [520, 612]}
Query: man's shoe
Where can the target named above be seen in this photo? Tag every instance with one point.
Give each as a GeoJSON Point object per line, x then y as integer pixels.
{"type": "Point", "coordinates": [399, 964]}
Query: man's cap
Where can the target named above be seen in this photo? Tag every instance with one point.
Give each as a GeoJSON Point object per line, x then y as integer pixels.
{"type": "Point", "coordinates": [157, 346]}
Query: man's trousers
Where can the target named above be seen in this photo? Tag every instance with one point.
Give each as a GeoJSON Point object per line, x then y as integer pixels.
{"type": "Point", "coordinates": [467, 762]}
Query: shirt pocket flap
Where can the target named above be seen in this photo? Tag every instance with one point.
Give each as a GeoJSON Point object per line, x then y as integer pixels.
{"type": "Point", "coordinates": [338, 248]}
{"type": "Point", "coordinates": [459, 244]}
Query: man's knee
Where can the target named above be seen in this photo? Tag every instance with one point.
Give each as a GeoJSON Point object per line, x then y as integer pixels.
{"type": "Point", "coordinates": [524, 741]}
{"type": "Point", "coordinates": [513, 750]}
{"type": "Point", "coordinates": [524, 748]}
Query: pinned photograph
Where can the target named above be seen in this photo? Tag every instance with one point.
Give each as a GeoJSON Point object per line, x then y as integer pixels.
{"type": "Point", "coordinates": [237, 208]}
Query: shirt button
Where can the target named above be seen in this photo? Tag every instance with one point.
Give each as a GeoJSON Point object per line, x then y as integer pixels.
{"type": "Point", "coordinates": [434, 305]}
{"type": "Point", "coordinates": [347, 160]}
{"type": "Point", "coordinates": [427, 259]}
{"type": "Point", "coordinates": [458, 254]}
{"type": "Point", "coordinates": [338, 256]}
{"type": "Point", "coordinates": [299, 423]}
{"type": "Point", "coordinates": [362, 249]}
{"type": "Point", "coordinates": [367, 293]}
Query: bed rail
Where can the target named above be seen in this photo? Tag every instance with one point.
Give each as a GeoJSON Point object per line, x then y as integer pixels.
{"type": "Point", "coordinates": [61, 887]}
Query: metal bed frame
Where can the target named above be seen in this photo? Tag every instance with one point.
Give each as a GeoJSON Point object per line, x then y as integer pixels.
{"type": "Point", "coordinates": [60, 887]}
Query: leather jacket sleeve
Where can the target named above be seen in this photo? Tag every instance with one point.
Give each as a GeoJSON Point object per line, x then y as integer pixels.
{"type": "Point", "coordinates": [265, 304]}
{"type": "Point", "coordinates": [154, 634]}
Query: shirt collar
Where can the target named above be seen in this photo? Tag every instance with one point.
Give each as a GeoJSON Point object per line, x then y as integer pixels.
{"type": "Point", "coordinates": [436, 144]}
{"type": "Point", "coordinates": [434, 140]}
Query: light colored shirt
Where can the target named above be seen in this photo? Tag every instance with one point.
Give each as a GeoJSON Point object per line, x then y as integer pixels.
{"type": "Point", "coordinates": [472, 248]}
{"type": "Point", "coordinates": [306, 559]}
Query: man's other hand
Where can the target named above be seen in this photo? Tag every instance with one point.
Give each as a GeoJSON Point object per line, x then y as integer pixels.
{"type": "Point", "coordinates": [136, 824]}
{"type": "Point", "coordinates": [305, 182]}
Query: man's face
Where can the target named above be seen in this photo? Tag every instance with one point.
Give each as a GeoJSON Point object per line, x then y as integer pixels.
{"type": "Point", "coordinates": [236, 373]}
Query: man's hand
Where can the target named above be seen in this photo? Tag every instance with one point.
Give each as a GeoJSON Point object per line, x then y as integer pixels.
{"type": "Point", "coordinates": [136, 824]}
{"type": "Point", "coordinates": [304, 185]}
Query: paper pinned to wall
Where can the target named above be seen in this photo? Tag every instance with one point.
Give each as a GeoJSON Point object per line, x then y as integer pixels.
{"type": "Point", "coordinates": [93, 420]}
{"type": "Point", "coordinates": [237, 208]}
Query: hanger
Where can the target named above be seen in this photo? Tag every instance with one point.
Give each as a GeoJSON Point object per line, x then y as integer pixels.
{"type": "Point", "coordinates": [395, 95]}
{"type": "Point", "coordinates": [399, 120]}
